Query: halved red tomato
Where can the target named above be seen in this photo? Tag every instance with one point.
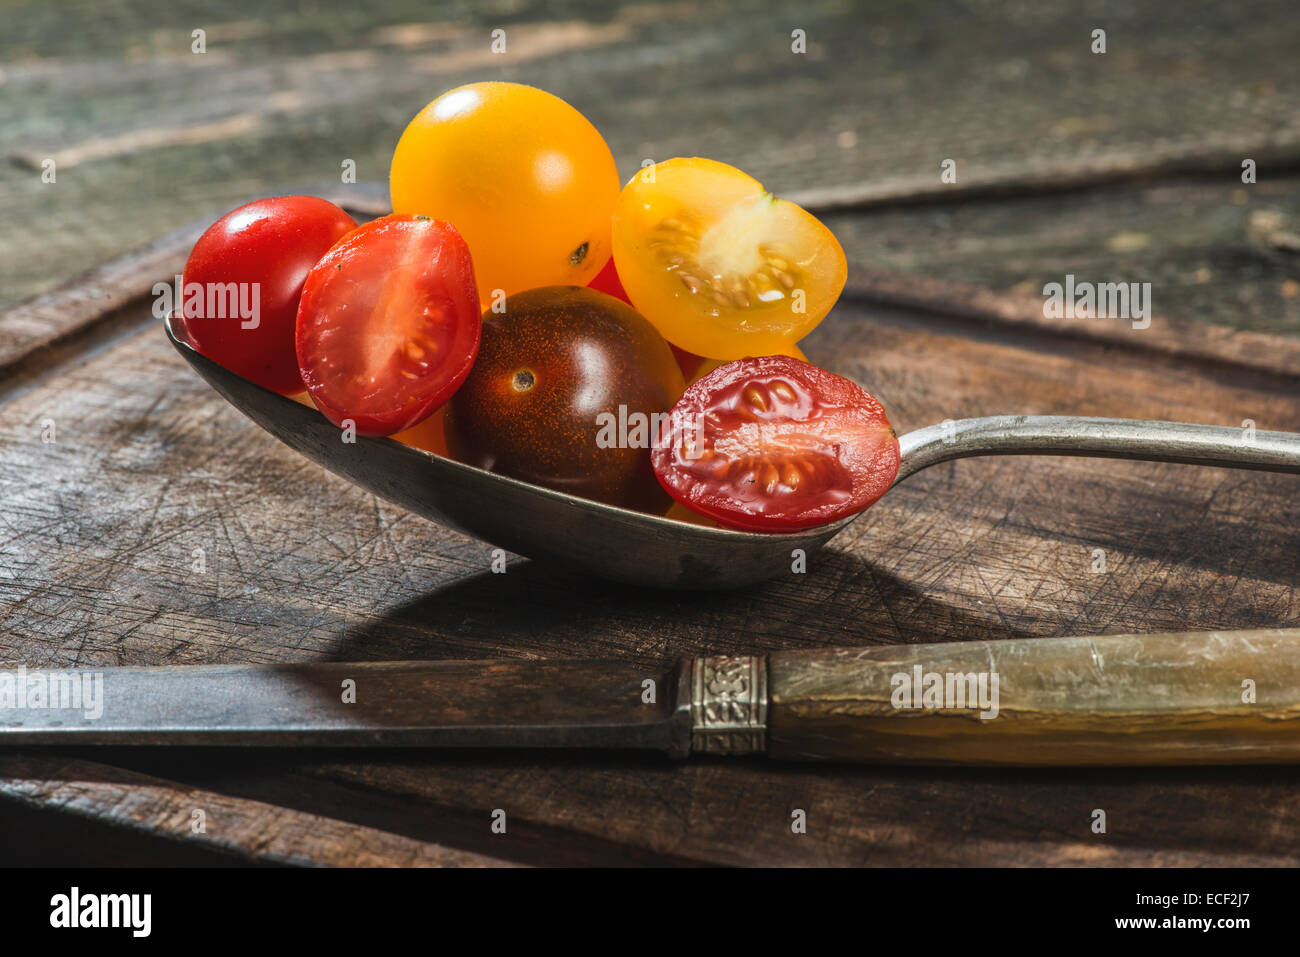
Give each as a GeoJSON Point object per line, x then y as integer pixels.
{"type": "Point", "coordinates": [388, 326]}
{"type": "Point", "coordinates": [774, 444]}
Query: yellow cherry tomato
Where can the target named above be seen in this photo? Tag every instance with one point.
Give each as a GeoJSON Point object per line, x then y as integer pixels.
{"type": "Point", "coordinates": [722, 267]}
{"type": "Point", "coordinates": [524, 177]}
{"type": "Point", "coordinates": [428, 435]}
{"type": "Point", "coordinates": [681, 513]}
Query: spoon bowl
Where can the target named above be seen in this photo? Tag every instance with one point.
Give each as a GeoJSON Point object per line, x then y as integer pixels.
{"type": "Point", "coordinates": [526, 519]}
{"type": "Point", "coordinates": [643, 549]}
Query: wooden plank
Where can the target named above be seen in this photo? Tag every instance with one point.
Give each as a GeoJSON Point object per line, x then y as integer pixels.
{"type": "Point", "coordinates": [220, 478]}
{"type": "Point", "coordinates": [1213, 250]}
{"type": "Point", "coordinates": [874, 105]}
{"type": "Point", "coordinates": [607, 809]}
{"type": "Point", "coordinates": [113, 299]}
{"type": "Point", "coordinates": [1021, 311]}
{"type": "Point", "coordinates": [246, 831]}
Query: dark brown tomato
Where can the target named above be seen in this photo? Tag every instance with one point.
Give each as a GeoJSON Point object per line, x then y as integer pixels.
{"type": "Point", "coordinates": [565, 394]}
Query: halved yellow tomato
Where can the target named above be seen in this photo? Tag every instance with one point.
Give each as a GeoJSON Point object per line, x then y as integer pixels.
{"type": "Point", "coordinates": [718, 264]}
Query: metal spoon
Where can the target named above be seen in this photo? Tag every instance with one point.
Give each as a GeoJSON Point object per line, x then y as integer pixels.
{"type": "Point", "coordinates": [646, 549]}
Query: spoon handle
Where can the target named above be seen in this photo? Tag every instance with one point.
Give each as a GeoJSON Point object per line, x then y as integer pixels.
{"type": "Point", "coordinates": [1151, 441]}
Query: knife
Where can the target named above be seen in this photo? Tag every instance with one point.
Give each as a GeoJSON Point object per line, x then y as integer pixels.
{"type": "Point", "coordinates": [1229, 697]}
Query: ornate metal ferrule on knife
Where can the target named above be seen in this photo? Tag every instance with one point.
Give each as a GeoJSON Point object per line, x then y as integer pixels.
{"type": "Point", "coordinates": [729, 705]}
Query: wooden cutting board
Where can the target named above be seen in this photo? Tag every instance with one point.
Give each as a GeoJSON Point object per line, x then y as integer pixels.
{"type": "Point", "coordinates": [120, 470]}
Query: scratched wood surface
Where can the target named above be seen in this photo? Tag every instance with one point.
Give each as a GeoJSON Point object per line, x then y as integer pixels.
{"type": "Point", "coordinates": [126, 818]}
{"type": "Point", "coordinates": [1122, 169]}
{"type": "Point", "coordinates": [148, 465]}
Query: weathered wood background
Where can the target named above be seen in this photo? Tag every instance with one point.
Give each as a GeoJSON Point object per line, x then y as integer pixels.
{"type": "Point", "coordinates": [1116, 167]}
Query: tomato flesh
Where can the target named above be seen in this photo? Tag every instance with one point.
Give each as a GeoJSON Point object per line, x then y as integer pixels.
{"type": "Point", "coordinates": [263, 249]}
{"type": "Point", "coordinates": [723, 268]}
{"type": "Point", "coordinates": [776, 444]}
{"type": "Point", "coordinates": [388, 326]}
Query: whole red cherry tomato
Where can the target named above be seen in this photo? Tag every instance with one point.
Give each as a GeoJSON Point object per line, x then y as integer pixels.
{"type": "Point", "coordinates": [388, 326]}
{"type": "Point", "coordinates": [774, 444]}
{"type": "Point", "coordinates": [248, 270]}
{"type": "Point", "coordinates": [607, 281]}
{"type": "Point", "coordinates": [564, 394]}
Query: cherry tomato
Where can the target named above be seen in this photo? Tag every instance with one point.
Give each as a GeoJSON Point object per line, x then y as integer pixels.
{"type": "Point", "coordinates": [607, 281]}
{"type": "Point", "coordinates": [705, 366]}
{"type": "Point", "coordinates": [388, 326]}
{"type": "Point", "coordinates": [524, 176]}
{"type": "Point", "coordinates": [775, 444]}
{"type": "Point", "coordinates": [563, 395]}
{"type": "Point", "coordinates": [722, 267]}
{"type": "Point", "coordinates": [680, 513]}
{"type": "Point", "coordinates": [689, 362]}
{"type": "Point", "coordinates": [429, 435]}
{"type": "Point", "coordinates": [272, 243]}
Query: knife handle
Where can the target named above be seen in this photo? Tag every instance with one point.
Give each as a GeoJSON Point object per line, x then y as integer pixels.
{"type": "Point", "coordinates": [1169, 699]}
